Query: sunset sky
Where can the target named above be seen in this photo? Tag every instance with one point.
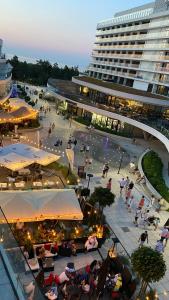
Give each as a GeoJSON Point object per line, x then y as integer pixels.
{"type": "Point", "coordinates": [58, 30]}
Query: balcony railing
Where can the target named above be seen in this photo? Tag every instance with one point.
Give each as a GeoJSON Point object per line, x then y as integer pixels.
{"type": "Point", "coordinates": [131, 56]}
{"type": "Point", "coordinates": [159, 35]}
{"type": "Point", "coordinates": [134, 28]}
{"type": "Point", "coordinates": [117, 64]}
{"type": "Point", "coordinates": [134, 47]}
{"type": "Point", "coordinates": [129, 66]}
{"type": "Point", "coordinates": [113, 72]}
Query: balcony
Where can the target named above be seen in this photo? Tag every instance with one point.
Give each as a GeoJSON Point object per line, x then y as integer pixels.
{"type": "Point", "coordinates": [134, 28]}
{"type": "Point", "coordinates": [130, 66]}
{"type": "Point", "coordinates": [134, 47]}
{"type": "Point", "coordinates": [123, 29]}
{"type": "Point", "coordinates": [117, 65]}
{"type": "Point", "coordinates": [149, 36]}
{"type": "Point", "coordinates": [114, 73]}
{"type": "Point", "coordinates": [132, 56]}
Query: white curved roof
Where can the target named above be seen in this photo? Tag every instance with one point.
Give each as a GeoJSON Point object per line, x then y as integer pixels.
{"type": "Point", "coordinates": [28, 206]}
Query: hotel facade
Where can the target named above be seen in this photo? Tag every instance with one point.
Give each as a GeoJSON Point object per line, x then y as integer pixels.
{"type": "Point", "coordinates": [132, 48]}
{"type": "Point", "coordinates": [126, 87]}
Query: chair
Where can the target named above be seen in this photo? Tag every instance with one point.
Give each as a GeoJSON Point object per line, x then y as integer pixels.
{"type": "Point", "coordinates": [49, 280]}
{"type": "Point", "coordinates": [116, 295]}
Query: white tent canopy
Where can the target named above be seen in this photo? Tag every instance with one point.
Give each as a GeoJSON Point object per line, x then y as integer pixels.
{"type": "Point", "coordinates": [14, 161]}
{"type": "Point", "coordinates": [18, 156]}
{"type": "Point", "coordinates": [28, 206]}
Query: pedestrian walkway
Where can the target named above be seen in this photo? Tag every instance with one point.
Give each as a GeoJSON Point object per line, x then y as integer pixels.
{"type": "Point", "coordinates": [103, 149]}
{"type": "Point", "coordinates": [121, 222]}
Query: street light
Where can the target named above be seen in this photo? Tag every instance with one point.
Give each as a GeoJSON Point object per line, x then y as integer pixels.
{"type": "Point", "coordinates": [90, 176]}
{"type": "Point", "coordinates": [121, 160]}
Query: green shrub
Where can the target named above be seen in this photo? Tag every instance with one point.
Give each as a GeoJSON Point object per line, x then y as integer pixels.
{"type": "Point", "coordinates": [103, 128]}
{"type": "Point", "coordinates": [69, 176]}
{"type": "Point", "coordinates": [153, 169]}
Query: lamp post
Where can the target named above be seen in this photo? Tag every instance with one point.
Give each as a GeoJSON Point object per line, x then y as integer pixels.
{"type": "Point", "coordinates": [120, 164]}
{"type": "Point", "coordinates": [90, 176]}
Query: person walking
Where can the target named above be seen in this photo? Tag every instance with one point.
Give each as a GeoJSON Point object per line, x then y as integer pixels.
{"type": "Point", "coordinates": [127, 183]}
{"type": "Point", "coordinates": [164, 234]}
{"type": "Point", "coordinates": [109, 184]}
{"type": "Point", "coordinates": [143, 237]}
{"type": "Point", "coordinates": [49, 131]}
{"type": "Point", "coordinates": [137, 216]}
{"type": "Point", "coordinates": [130, 203]}
{"type": "Point", "coordinates": [87, 148]}
{"type": "Point", "coordinates": [128, 195]}
{"type": "Point", "coordinates": [141, 202]}
{"type": "Point", "coordinates": [105, 170]}
{"type": "Point", "coordinates": [131, 185]}
{"type": "Point", "coordinates": [122, 184]}
{"type": "Point", "coordinates": [159, 246]}
{"type": "Point", "coordinates": [156, 223]}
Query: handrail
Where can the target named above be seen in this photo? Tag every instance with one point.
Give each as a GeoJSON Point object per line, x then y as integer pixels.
{"type": "Point", "coordinates": [21, 251]}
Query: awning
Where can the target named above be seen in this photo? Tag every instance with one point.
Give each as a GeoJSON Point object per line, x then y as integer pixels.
{"type": "Point", "coordinates": [14, 162]}
{"type": "Point", "coordinates": [29, 206]}
{"type": "Point", "coordinates": [18, 156]}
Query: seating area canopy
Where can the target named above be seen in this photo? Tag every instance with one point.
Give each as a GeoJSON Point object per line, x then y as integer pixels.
{"type": "Point", "coordinates": [18, 156]}
{"type": "Point", "coordinates": [29, 206]}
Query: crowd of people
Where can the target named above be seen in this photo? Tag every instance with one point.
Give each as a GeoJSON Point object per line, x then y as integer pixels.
{"type": "Point", "coordinates": [144, 214]}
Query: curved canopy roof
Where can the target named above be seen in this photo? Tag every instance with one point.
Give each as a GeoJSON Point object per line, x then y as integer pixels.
{"type": "Point", "coordinates": [28, 206]}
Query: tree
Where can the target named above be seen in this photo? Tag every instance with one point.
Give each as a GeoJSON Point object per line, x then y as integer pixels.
{"type": "Point", "coordinates": [149, 265]}
{"type": "Point", "coordinates": [40, 72]}
{"type": "Point", "coordinates": [103, 196]}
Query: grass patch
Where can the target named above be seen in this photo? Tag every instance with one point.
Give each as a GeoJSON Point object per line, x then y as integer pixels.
{"type": "Point", "coordinates": [153, 169]}
{"type": "Point", "coordinates": [68, 176]}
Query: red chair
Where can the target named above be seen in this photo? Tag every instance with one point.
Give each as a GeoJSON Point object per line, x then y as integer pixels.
{"type": "Point", "coordinates": [57, 281]}
{"type": "Point", "coordinates": [116, 295]}
{"type": "Point", "coordinates": [87, 269]}
{"type": "Point", "coordinates": [49, 280]}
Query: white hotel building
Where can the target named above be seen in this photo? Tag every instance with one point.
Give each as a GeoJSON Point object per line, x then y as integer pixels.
{"type": "Point", "coordinates": [127, 84]}
{"type": "Point", "coordinates": [132, 48]}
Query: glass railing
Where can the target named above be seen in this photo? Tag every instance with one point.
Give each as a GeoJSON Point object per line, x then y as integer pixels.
{"type": "Point", "coordinates": [152, 119]}
{"type": "Point", "coordinates": [21, 276]}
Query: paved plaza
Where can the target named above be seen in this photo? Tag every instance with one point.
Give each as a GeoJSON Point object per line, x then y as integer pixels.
{"type": "Point", "coordinates": [104, 148]}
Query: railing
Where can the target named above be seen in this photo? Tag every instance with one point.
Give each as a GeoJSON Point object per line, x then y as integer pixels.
{"type": "Point", "coordinates": [159, 35]}
{"type": "Point", "coordinates": [131, 56]}
{"type": "Point", "coordinates": [116, 73]}
{"type": "Point", "coordinates": [129, 66]}
{"type": "Point", "coordinates": [117, 65]}
{"type": "Point", "coordinates": [144, 46]}
{"type": "Point", "coordinates": [15, 262]}
{"type": "Point", "coordinates": [156, 122]}
{"type": "Point", "coordinates": [123, 29]}
{"type": "Point", "coordinates": [134, 28]}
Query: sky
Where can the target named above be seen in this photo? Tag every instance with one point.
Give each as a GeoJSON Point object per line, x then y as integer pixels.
{"type": "Point", "coordinates": [61, 31]}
